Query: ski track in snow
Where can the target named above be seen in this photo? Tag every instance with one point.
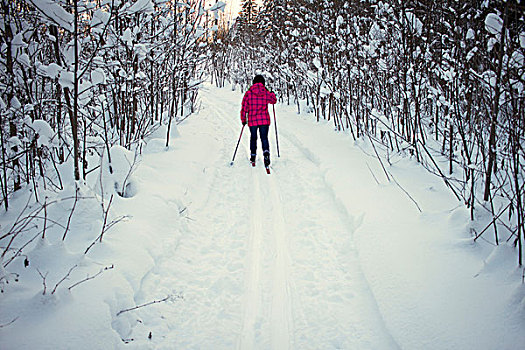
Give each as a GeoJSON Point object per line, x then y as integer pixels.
{"type": "Point", "coordinates": [281, 307]}
{"type": "Point", "coordinates": [262, 261]}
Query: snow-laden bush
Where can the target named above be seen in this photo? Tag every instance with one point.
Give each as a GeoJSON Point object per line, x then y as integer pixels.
{"type": "Point", "coordinates": [116, 169]}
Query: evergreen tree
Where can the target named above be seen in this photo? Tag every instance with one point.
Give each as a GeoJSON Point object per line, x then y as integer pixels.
{"type": "Point", "coordinates": [247, 19]}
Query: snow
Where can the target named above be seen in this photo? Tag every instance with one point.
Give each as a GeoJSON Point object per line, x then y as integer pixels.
{"type": "Point", "coordinates": [66, 79]}
{"type": "Point", "coordinates": [471, 53]}
{"type": "Point", "coordinates": [324, 253]}
{"type": "Point", "coordinates": [199, 32]}
{"type": "Point", "coordinates": [493, 23]}
{"type": "Point", "coordinates": [471, 34]}
{"type": "Point", "coordinates": [98, 76]}
{"type": "Point", "coordinates": [126, 37]}
{"type": "Point", "coordinates": [382, 65]}
{"type": "Point", "coordinates": [491, 43]}
{"type": "Point", "coordinates": [14, 142]}
{"type": "Point", "coordinates": [18, 42]}
{"type": "Point", "coordinates": [517, 60]}
{"type": "Point", "coordinates": [51, 71]}
{"type": "Point", "coordinates": [218, 6]}
{"type": "Point", "coordinates": [84, 91]}
{"type": "Point", "coordinates": [414, 23]}
{"type": "Point", "coordinates": [15, 103]}
{"type": "Point", "coordinates": [51, 10]}
{"type": "Point", "coordinates": [99, 20]}
{"type": "Point", "coordinates": [489, 78]}
{"type": "Point", "coordinates": [383, 122]}
{"type": "Point", "coordinates": [339, 21]}
{"type": "Point", "coordinates": [317, 63]}
{"type": "Point", "coordinates": [116, 176]}
{"type": "Point", "coordinates": [24, 60]}
{"type": "Point", "coordinates": [46, 135]}
{"type": "Point", "coordinates": [141, 6]}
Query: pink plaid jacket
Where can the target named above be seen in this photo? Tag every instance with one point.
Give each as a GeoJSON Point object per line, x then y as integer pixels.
{"type": "Point", "coordinates": [255, 105]}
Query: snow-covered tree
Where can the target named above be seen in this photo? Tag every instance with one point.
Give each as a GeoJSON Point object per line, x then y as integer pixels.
{"type": "Point", "coordinates": [420, 77]}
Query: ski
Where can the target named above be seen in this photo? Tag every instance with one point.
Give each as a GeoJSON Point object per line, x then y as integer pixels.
{"type": "Point", "coordinates": [266, 167]}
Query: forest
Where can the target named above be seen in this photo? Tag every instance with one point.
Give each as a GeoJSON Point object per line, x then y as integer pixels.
{"type": "Point", "coordinates": [441, 82]}
{"type": "Point", "coordinates": [422, 78]}
{"type": "Point", "coordinates": [81, 77]}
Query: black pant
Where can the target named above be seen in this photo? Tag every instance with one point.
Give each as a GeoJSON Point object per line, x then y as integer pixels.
{"type": "Point", "coordinates": [263, 131]}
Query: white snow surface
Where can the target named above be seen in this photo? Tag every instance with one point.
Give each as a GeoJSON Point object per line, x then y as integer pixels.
{"type": "Point", "coordinates": [471, 34]}
{"type": "Point", "coordinates": [219, 5]}
{"type": "Point", "coordinates": [51, 71]}
{"type": "Point", "coordinates": [141, 6]}
{"type": "Point", "coordinates": [317, 255]}
{"type": "Point", "coordinates": [493, 23]}
{"type": "Point", "coordinates": [52, 11]}
{"type": "Point", "coordinates": [46, 135]}
{"type": "Point", "coordinates": [414, 23]}
{"type": "Point", "coordinates": [98, 76]}
{"type": "Point", "coordinates": [66, 79]}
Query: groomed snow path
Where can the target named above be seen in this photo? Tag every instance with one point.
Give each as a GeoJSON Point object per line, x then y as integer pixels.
{"type": "Point", "coordinates": [314, 256]}
{"type": "Point", "coordinates": [261, 261]}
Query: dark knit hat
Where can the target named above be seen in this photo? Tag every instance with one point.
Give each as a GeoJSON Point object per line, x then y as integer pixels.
{"type": "Point", "coordinates": [258, 79]}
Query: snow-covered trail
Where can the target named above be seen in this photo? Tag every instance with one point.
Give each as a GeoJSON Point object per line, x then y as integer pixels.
{"type": "Point", "coordinates": [262, 261]}
{"type": "Point", "coordinates": [306, 289]}
{"type": "Point", "coordinates": [324, 253]}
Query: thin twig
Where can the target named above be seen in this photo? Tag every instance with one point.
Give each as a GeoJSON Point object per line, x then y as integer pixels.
{"type": "Point", "coordinates": [19, 251]}
{"type": "Point", "coordinates": [495, 218]}
{"type": "Point", "coordinates": [105, 218]}
{"type": "Point", "coordinates": [9, 323]}
{"type": "Point", "coordinates": [71, 214]}
{"type": "Point", "coordinates": [43, 280]}
{"type": "Point", "coordinates": [45, 220]}
{"type": "Point", "coordinates": [17, 220]}
{"type": "Point", "coordinates": [149, 303]}
{"type": "Point", "coordinates": [439, 170]}
{"type": "Point", "coordinates": [408, 194]}
{"type": "Point", "coordinates": [105, 227]}
{"type": "Point", "coordinates": [63, 279]}
{"type": "Point", "coordinates": [375, 178]}
{"type": "Point", "coordinates": [379, 158]}
{"type": "Point", "coordinates": [54, 222]}
{"type": "Point", "coordinates": [90, 277]}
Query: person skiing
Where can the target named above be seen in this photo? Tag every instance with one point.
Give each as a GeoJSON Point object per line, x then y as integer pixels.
{"type": "Point", "coordinates": [254, 111]}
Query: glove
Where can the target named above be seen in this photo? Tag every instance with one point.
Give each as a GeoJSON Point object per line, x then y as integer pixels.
{"type": "Point", "coordinates": [243, 123]}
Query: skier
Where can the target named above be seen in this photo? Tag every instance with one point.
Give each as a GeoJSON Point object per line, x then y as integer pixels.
{"type": "Point", "coordinates": [255, 107]}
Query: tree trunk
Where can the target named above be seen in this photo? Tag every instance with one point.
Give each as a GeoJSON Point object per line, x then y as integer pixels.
{"type": "Point", "coordinates": [74, 116]}
{"type": "Point", "coordinates": [495, 110]}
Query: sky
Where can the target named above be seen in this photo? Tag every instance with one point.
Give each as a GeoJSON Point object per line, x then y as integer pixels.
{"type": "Point", "coordinates": [232, 6]}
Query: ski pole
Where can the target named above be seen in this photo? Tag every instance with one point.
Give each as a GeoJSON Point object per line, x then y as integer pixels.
{"type": "Point", "coordinates": [276, 134]}
{"type": "Point", "coordinates": [234, 153]}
